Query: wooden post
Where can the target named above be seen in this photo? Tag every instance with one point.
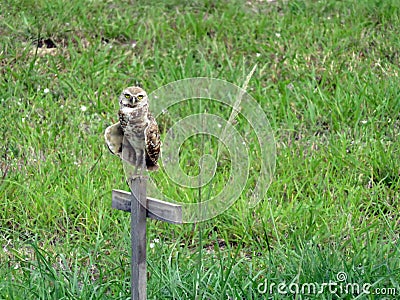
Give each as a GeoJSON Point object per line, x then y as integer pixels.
{"type": "Point", "coordinates": [141, 207]}
{"type": "Point", "coordinates": [138, 238]}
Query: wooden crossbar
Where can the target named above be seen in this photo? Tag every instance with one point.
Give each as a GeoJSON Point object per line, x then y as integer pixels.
{"type": "Point", "coordinates": [156, 209]}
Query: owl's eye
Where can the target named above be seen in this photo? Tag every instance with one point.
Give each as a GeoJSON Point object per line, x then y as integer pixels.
{"type": "Point", "coordinates": [127, 96]}
{"type": "Point", "coordinates": [140, 97]}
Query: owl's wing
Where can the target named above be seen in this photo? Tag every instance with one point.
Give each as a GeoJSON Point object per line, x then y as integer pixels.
{"type": "Point", "coordinates": [114, 136]}
{"type": "Point", "coordinates": [153, 144]}
{"type": "Point", "coordinates": [118, 144]}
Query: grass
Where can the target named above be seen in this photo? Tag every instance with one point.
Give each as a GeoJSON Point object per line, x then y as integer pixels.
{"type": "Point", "coordinates": [328, 79]}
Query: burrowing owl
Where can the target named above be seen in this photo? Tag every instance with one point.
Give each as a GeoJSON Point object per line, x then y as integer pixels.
{"type": "Point", "coordinates": [135, 138]}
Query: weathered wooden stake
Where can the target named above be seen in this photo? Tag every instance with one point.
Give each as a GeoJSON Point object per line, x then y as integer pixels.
{"type": "Point", "coordinates": [138, 238]}
{"type": "Point", "coordinates": [141, 207]}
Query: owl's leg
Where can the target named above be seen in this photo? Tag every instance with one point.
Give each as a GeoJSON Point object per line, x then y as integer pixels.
{"type": "Point", "coordinates": [140, 163]}
{"type": "Point", "coordinates": [143, 162]}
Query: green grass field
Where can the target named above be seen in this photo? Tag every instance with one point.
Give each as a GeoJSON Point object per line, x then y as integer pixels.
{"type": "Point", "coordinates": [327, 77]}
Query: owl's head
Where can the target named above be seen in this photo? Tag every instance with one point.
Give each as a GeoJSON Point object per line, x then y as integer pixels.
{"type": "Point", "coordinates": [133, 97]}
